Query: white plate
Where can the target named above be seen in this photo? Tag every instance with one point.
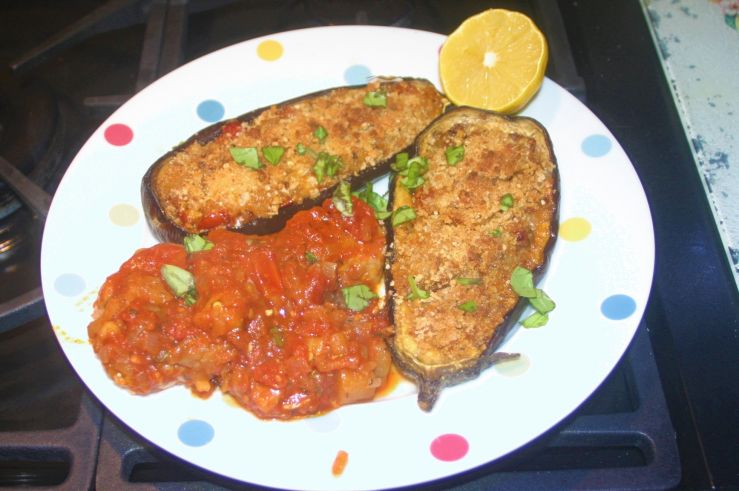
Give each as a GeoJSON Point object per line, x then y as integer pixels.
{"type": "Point", "coordinates": [600, 276]}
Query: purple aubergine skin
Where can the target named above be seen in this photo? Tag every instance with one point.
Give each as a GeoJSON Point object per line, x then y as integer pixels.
{"type": "Point", "coordinates": [431, 384]}
{"type": "Point", "coordinates": [166, 230]}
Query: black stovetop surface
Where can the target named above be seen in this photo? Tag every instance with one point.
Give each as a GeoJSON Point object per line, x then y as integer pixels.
{"type": "Point", "coordinates": [667, 416]}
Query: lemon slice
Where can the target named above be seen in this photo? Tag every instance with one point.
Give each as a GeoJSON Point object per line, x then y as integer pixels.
{"type": "Point", "coordinates": [494, 60]}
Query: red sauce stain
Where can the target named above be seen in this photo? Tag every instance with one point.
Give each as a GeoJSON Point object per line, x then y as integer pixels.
{"type": "Point", "coordinates": [340, 461]}
{"type": "Point", "coordinates": [449, 447]}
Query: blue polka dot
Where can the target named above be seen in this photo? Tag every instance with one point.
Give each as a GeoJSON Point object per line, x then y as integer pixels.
{"type": "Point", "coordinates": [357, 75]}
{"type": "Point", "coordinates": [618, 307]}
{"type": "Point", "coordinates": [69, 284]}
{"type": "Point", "coordinates": [195, 433]}
{"type": "Point", "coordinates": [211, 111]}
{"type": "Point", "coordinates": [596, 145]}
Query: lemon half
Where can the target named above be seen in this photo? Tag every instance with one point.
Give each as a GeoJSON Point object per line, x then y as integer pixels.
{"type": "Point", "coordinates": [494, 60]}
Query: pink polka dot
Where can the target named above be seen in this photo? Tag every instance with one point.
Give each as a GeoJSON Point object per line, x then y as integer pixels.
{"type": "Point", "coordinates": [118, 134]}
{"type": "Point", "coordinates": [449, 447]}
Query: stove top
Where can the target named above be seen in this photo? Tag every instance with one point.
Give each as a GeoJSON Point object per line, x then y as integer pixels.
{"type": "Point", "coordinates": [665, 418]}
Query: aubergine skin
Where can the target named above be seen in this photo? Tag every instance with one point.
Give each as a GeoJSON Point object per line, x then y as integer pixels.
{"type": "Point", "coordinates": [199, 185]}
{"type": "Point", "coordinates": [462, 231]}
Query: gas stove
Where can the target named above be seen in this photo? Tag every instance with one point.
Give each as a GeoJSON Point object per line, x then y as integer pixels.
{"type": "Point", "coordinates": [666, 416]}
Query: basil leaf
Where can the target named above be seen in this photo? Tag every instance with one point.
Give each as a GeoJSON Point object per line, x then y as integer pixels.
{"type": "Point", "coordinates": [246, 156]}
{"type": "Point", "coordinates": [181, 282]}
{"type": "Point", "coordinates": [535, 320]}
{"type": "Point", "coordinates": [301, 149]}
{"type": "Point", "coordinates": [416, 293]}
{"type": "Point", "coordinates": [401, 162]}
{"type": "Point", "coordinates": [273, 154]}
{"type": "Point", "coordinates": [310, 257]}
{"type": "Point", "coordinates": [375, 99]}
{"type": "Point", "coordinates": [342, 199]}
{"type": "Point", "coordinates": [326, 165]}
{"type": "Point", "coordinates": [454, 155]}
{"type": "Point", "coordinates": [413, 174]}
{"type": "Point", "coordinates": [541, 302]}
{"type": "Point", "coordinates": [320, 133]}
{"type": "Point", "coordinates": [278, 337]}
{"type": "Point", "coordinates": [469, 281]}
{"type": "Point", "coordinates": [506, 202]}
{"type": "Point", "coordinates": [375, 200]}
{"type": "Point", "coordinates": [357, 297]}
{"type": "Point", "coordinates": [495, 233]}
{"type": "Point", "coordinates": [402, 215]}
{"type": "Point", "coordinates": [196, 243]}
{"type": "Point", "coordinates": [522, 282]}
{"type": "Point", "coordinates": [468, 306]}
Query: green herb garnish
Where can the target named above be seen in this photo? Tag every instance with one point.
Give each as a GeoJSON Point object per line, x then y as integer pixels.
{"type": "Point", "coordinates": [342, 199]}
{"type": "Point", "coordinates": [375, 99]}
{"type": "Point", "coordinates": [310, 257]}
{"type": "Point", "coordinates": [469, 281]}
{"type": "Point", "coordinates": [416, 293]}
{"type": "Point", "coordinates": [246, 156]}
{"type": "Point", "coordinates": [522, 282]}
{"type": "Point", "coordinates": [535, 320]}
{"type": "Point", "coordinates": [402, 215]}
{"type": "Point", "coordinates": [278, 337]}
{"type": "Point", "coordinates": [357, 297]}
{"type": "Point", "coordinates": [541, 302]}
{"type": "Point", "coordinates": [326, 165]}
{"type": "Point", "coordinates": [181, 282]}
{"type": "Point", "coordinates": [196, 243]}
{"type": "Point", "coordinates": [401, 162]}
{"type": "Point", "coordinates": [375, 200]}
{"type": "Point", "coordinates": [506, 202]}
{"type": "Point", "coordinates": [454, 155]}
{"type": "Point", "coordinates": [301, 149]}
{"type": "Point", "coordinates": [412, 177]}
{"type": "Point", "coordinates": [495, 233]}
{"type": "Point", "coordinates": [468, 306]}
{"type": "Point", "coordinates": [273, 154]}
{"type": "Point", "coordinates": [320, 133]}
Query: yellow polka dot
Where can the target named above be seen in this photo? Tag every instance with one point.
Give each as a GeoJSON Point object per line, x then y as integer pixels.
{"type": "Point", "coordinates": [513, 368]}
{"type": "Point", "coordinates": [270, 50]}
{"type": "Point", "coordinates": [574, 229]}
{"type": "Point", "coordinates": [123, 215]}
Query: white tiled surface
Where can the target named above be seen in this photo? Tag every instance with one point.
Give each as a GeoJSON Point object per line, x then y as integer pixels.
{"type": "Point", "coordinates": [698, 42]}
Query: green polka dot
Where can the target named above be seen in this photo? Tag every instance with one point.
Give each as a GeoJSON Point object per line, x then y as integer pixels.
{"type": "Point", "coordinates": [513, 368]}
{"type": "Point", "coordinates": [575, 229]}
{"type": "Point", "coordinates": [270, 50]}
{"type": "Point", "coordinates": [123, 215]}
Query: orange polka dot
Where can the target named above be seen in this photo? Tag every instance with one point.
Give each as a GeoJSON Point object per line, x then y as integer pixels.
{"type": "Point", "coordinates": [270, 50]}
{"type": "Point", "coordinates": [575, 229]}
{"type": "Point", "coordinates": [123, 215]}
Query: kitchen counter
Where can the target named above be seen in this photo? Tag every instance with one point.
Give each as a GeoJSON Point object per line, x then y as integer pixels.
{"type": "Point", "coordinates": [698, 46]}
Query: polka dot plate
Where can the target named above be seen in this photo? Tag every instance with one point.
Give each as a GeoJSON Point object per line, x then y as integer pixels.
{"type": "Point", "coordinates": [600, 276]}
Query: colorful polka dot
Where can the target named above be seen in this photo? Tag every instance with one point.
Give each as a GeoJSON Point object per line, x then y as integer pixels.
{"type": "Point", "coordinates": [357, 75]}
{"type": "Point", "coordinates": [514, 367]}
{"type": "Point", "coordinates": [69, 285]}
{"type": "Point", "coordinates": [195, 433]}
{"type": "Point", "coordinates": [270, 50]}
{"type": "Point", "coordinates": [324, 424]}
{"type": "Point", "coordinates": [118, 134]}
{"type": "Point", "coordinates": [596, 145]}
{"type": "Point", "coordinates": [123, 215]}
{"type": "Point", "coordinates": [210, 111]}
{"type": "Point", "coordinates": [575, 229]}
{"type": "Point", "coordinates": [449, 447]}
{"type": "Point", "coordinates": [618, 307]}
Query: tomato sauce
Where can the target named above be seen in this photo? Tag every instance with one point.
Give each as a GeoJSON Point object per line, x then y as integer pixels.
{"type": "Point", "coordinates": [269, 323]}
